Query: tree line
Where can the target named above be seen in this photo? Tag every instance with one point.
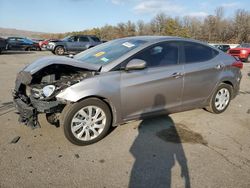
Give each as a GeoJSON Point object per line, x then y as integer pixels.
{"type": "Point", "coordinates": [212, 28]}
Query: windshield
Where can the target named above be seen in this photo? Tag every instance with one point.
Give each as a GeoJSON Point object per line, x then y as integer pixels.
{"type": "Point", "coordinates": [66, 38]}
{"type": "Point", "coordinates": [245, 45]}
{"type": "Point", "coordinates": [108, 52]}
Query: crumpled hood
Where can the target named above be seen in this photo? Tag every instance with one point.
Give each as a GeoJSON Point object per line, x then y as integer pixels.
{"type": "Point", "coordinates": [50, 60]}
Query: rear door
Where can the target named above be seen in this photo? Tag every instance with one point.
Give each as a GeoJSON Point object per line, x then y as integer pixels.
{"type": "Point", "coordinates": [202, 71]}
{"type": "Point", "coordinates": [155, 88]}
{"type": "Point", "coordinates": [95, 41]}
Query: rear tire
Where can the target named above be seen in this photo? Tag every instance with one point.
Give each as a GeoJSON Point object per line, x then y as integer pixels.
{"type": "Point", "coordinates": [86, 122]}
{"type": "Point", "coordinates": [221, 98]}
{"type": "Point", "coordinates": [59, 50]}
{"type": "Point", "coordinates": [28, 49]}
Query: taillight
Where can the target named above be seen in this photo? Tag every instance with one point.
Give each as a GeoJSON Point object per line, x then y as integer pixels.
{"type": "Point", "coordinates": [238, 64]}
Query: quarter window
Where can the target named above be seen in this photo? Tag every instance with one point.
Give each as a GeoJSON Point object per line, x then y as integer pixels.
{"type": "Point", "coordinates": [194, 52]}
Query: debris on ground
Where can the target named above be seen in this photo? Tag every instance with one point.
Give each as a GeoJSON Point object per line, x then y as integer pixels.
{"type": "Point", "coordinates": [15, 140]}
{"type": "Point", "coordinates": [59, 156]}
{"type": "Point", "coordinates": [77, 156]}
{"type": "Point", "coordinates": [102, 161]}
{"type": "Point", "coordinates": [248, 111]}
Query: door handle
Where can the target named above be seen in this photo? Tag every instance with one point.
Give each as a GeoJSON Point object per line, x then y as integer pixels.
{"type": "Point", "coordinates": [219, 66]}
{"type": "Point", "coordinates": [177, 74]}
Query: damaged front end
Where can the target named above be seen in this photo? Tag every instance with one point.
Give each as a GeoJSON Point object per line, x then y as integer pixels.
{"type": "Point", "coordinates": [35, 92]}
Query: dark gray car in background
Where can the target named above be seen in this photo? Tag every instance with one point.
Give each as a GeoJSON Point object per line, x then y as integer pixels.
{"type": "Point", "coordinates": [73, 44]}
{"type": "Point", "coordinates": [125, 79]}
{"type": "Point", "coordinates": [3, 43]}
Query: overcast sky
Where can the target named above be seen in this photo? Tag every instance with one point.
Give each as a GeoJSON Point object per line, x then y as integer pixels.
{"type": "Point", "coordinates": [75, 15]}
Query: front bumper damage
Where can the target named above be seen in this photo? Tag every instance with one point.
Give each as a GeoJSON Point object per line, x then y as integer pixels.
{"type": "Point", "coordinates": [28, 112]}
{"type": "Point", "coordinates": [61, 72]}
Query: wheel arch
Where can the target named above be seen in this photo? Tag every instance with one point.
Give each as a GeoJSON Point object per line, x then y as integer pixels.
{"type": "Point", "coordinates": [59, 45]}
{"type": "Point", "coordinates": [224, 81]}
{"type": "Point", "coordinates": [228, 82]}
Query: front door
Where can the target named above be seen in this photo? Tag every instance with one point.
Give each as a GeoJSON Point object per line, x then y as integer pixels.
{"type": "Point", "coordinates": [155, 88]}
{"type": "Point", "coordinates": [73, 44]}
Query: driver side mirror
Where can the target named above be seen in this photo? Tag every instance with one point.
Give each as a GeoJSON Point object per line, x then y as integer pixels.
{"type": "Point", "coordinates": [136, 64]}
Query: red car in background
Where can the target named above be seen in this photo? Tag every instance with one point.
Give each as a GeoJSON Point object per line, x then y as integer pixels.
{"type": "Point", "coordinates": [242, 52]}
{"type": "Point", "coordinates": [44, 43]}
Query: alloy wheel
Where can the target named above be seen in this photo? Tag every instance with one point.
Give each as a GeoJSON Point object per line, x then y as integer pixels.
{"type": "Point", "coordinates": [88, 123]}
{"type": "Point", "coordinates": [222, 99]}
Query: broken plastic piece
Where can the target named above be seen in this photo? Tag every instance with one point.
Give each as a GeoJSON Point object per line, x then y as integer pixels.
{"type": "Point", "coordinates": [15, 140]}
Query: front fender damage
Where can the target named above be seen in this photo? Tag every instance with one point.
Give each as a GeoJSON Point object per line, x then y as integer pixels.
{"type": "Point", "coordinates": [28, 95]}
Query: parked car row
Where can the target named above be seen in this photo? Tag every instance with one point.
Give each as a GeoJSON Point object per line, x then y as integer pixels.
{"type": "Point", "coordinates": [241, 51]}
{"type": "Point", "coordinates": [70, 44]}
{"type": "Point", "coordinates": [77, 43]}
{"type": "Point", "coordinates": [222, 47]}
{"type": "Point", "coordinates": [18, 43]}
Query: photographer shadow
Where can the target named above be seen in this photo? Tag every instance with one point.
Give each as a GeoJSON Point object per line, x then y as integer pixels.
{"type": "Point", "coordinates": [154, 157]}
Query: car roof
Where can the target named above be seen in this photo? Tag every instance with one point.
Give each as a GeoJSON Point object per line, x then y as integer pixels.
{"type": "Point", "coordinates": [83, 36]}
{"type": "Point", "coordinates": [156, 39]}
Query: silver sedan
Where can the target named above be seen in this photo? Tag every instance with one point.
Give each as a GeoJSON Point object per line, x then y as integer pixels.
{"type": "Point", "coordinates": [122, 80]}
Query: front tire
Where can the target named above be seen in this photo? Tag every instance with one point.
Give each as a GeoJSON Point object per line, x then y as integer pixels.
{"type": "Point", "coordinates": [59, 50]}
{"type": "Point", "coordinates": [86, 122]}
{"type": "Point", "coordinates": [220, 99]}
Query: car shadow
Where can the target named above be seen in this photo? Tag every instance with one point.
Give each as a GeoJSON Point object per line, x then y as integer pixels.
{"type": "Point", "coordinates": [154, 156]}
{"type": "Point", "coordinates": [16, 52]}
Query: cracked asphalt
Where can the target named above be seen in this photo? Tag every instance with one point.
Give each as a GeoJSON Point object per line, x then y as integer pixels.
{"type": "Point", "coordinates": [188, 149]}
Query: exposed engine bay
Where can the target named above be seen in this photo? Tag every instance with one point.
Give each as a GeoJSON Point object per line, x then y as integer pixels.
{"type": "Point", "coordinates": [36, 93]}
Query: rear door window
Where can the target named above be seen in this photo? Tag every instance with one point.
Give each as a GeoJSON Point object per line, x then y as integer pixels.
{"type": "Point", "coordinates": [194, 52]}
{"type": "Point", "coordinates": [95, 39]}
{"type": "Point", "coordinates": [83, 39]}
